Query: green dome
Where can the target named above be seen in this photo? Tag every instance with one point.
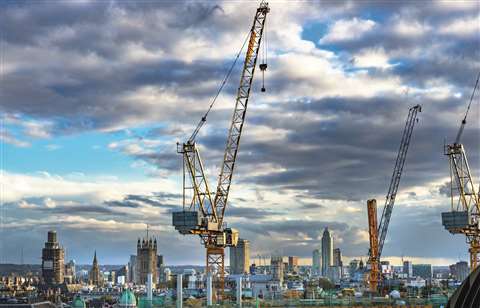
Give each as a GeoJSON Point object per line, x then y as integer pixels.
{"type": "Point", "coordinates": [127, 299]}
{"type": "Point", "coordinates": [78, 302]}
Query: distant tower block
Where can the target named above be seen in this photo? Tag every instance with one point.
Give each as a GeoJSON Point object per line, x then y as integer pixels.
{"type": "Point", "coordinates": [53, 256]}
{"type": "Point", "coordinates": [327, 251]}
{"type": "Point", "coordinates": [240, 257]}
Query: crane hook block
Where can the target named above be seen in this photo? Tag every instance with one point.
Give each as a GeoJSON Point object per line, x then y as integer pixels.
{"type": "Point", "coordinates": [263, 66]}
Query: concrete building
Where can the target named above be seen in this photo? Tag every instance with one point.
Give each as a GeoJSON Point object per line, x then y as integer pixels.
{"type": "Point", "coordinates": [337, 257]}
{"type": "Point", "coordinates": [316, 262]}
{"type": "Point", "coordinates": [293, 264]}
{"type": "Point", "coordinates": [276, 264]}
{"type": "Point", "coordinates": [146, 260]}
{"type": "Point", "coordinates": [408, 269]}
{"type": "Point", "coordinates": [94, 275]}
{"type": "Point", "coordinates": [424, 271]}
{"type": "Point", "coordinates": [338, 262]}
{"type": "Point", "coordinates": [387, 269]}
{"type": "Point", "coordinates": [70, 270]}
{"type": "Point", "coordinates": [353, 267]}
{"type": "Point", "coordinates": [327, 251]}
{"type": "Point", "coordinates": [460, 270]}
{"type": "Point", "coordinates": [53, 263]}
{"type": "Point", "coordinates": [334, 273]}
{"type": "Point", "coordinates": [132, 269]}
{"type": "Point", "coordinates": [240, 257]}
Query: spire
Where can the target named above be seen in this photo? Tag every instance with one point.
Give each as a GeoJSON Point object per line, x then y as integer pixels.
{"type": "Point", "coordinates": [95, 257]}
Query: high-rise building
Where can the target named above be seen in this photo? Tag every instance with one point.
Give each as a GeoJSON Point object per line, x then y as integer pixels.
{"type": "Point", "coordinates": [424, 271]}
{"type": "Point", "coordinates": [408, 268]}
{"type": "Point", "coordinates": [240, 257]}
{"type": "Point", "coordinates": [337, 257]}
{"type": "Point", "coordinates": [327, 251]}
{"type": "Point", "coordinates": [293, 264]}
{"type": "Point", "coordinates": [337, 262]}
{"type": "Point", "coordinates": [276, 264]}
{"type": "Point", "coordinates": [460, 270]}
{"type": "Point", "coordinates": [112, 277]}
{"type": "Point", "coordinates": [132, 269]}
{"type": "Point", "coordinates": [94, 275]}
{"type": "Point", "coordinates": [316, 262]}
{"type": "Point", "coordinates": [53, 263]}
{"type": "Point", "coordinates": [160, 268]}
{"type": "Point", "coordinates": [353, 267]}
{"type": "Point", "coordinates": [146, 260]}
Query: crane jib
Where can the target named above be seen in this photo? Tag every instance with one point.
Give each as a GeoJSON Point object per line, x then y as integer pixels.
{"type": "Point", "coordinates": [203, 214]}
{"type": "Point", "coordinates": [397, 173]}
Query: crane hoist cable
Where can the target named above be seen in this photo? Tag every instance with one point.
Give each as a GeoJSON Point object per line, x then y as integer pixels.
{"type": "Point", "coordinates": [464, 121]}
{"type": "Point", "coordinates": [224, 81]}
{"type": "Point", "coordinates": [263, 66]}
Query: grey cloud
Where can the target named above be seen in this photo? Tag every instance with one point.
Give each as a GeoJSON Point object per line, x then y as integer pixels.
{"type": "Point", "coordinates": [82, 209]}
{"type": "Point", "coordinates": [135, 201]}
{"type": "Point", "coordinates": [251, 212]}
{"type": "Point", "coordinates": [311, 206]}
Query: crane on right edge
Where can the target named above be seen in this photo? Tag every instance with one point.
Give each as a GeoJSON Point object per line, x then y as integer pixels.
{"type": "Point", "coordinates": [464, 217]}
{"type": "Point", "coordinates": [378, 233]}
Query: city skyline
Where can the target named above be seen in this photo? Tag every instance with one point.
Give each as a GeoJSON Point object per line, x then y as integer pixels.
{"type": "Point", "coordinates": [89, 129]}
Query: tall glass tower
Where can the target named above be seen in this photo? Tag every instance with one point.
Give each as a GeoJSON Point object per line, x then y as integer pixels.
{"type": "Point", "coordinates": [327, 251]}
{"type": "Point", "coordinates": [316, 262]}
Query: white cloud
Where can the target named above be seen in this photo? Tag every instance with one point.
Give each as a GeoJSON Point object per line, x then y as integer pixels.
{"type": "Point", "coordinates": [37, 129]}
{"type": "Point", "coordinates": [94, 189]}
{"type": "Point", "coordinates": [462, 27]}
{"type": "Point", "coordinates": [347, 29]}
{"type": "Point", "coordinates": [410, 28]}
{"type": "Point", "coordinates": [372, 57]}
{"type": "Point", "coordinates": [7, 137]}
{"type": "Point", "coordinates": [321, 77]}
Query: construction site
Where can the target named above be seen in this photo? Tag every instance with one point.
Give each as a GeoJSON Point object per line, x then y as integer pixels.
{"type": "Point", "coordinates": [229, 276]}
{"type": "Point", "coordinates": [205, 209]}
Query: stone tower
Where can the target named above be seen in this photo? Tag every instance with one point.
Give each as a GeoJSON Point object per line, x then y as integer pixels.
{"type": "Point", "coordinates": [95, 278]}
{"type": "Point", "coordinates": [146, 260]}
{"type": "Point", "coordinates": [53, 261]}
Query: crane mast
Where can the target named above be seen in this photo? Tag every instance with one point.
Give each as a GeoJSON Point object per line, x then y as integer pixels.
{"type": "Point", "coordinates": [203, 214]}
{"type": "Point", "coordinates": [378, 234]}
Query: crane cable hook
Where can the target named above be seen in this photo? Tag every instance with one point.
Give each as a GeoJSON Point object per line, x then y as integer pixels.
{"type": "Point", "coordinates": [263, 66]}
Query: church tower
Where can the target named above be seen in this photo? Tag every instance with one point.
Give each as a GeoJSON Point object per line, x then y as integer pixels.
{"type": "Point", "coordinates": [95, 278]}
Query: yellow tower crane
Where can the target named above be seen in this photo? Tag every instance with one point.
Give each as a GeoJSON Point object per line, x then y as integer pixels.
{"type": "Point", "coordinates": [204, 213]}
{"type": "Point", "coordinates": [465, 200]}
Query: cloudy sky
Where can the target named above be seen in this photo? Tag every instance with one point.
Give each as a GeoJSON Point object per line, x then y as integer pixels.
{"type": "Point", "coordinates": [95, 95]}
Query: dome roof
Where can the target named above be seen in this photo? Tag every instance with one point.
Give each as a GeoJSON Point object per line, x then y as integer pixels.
{"type": "Point", "coordinates": [78, 302]}
{"type": "Point", "coordinates": [127, 299]}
